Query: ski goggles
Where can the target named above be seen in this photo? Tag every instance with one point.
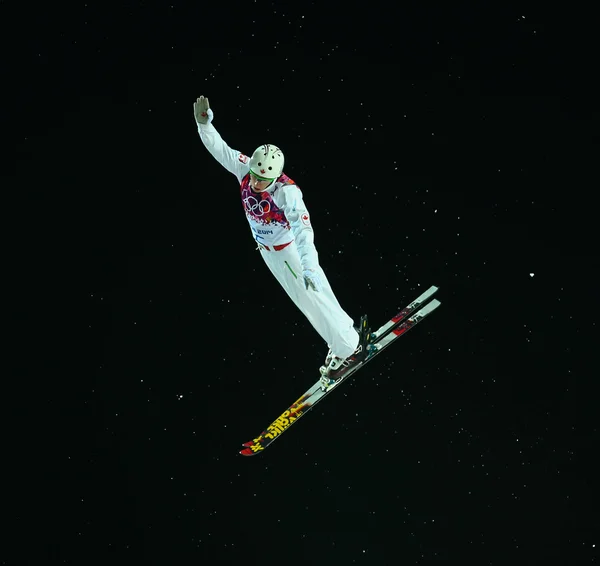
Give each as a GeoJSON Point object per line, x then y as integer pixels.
{"type": "Point", "coordinates": [261, 178]}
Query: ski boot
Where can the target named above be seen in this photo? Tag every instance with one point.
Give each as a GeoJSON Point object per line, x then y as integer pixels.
{"type": "Point", "coordinates": [329, 356]}
{"type": "Point", "coordinates": [335, 368]}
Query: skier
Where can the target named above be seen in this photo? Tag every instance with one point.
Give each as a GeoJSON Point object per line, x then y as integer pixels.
{"type": "Point", "coordinates": [280, 224]}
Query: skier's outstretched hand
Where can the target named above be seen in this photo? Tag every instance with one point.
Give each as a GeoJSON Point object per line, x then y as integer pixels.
{"type": "Point", "coordinates": [201, 110]}
{"type": "Point", "coordinates": [312, 280]}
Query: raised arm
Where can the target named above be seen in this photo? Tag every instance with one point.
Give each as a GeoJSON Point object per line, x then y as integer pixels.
{"type": "Point", "coordinates": [234, 161]}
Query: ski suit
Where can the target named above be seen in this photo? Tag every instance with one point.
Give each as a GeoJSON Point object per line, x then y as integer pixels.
{"type": "Point", "coordinates": [280, 224]}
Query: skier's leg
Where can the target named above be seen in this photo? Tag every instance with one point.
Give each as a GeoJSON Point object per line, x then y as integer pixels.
{"type": "Point", "coordinates": [322, 309]}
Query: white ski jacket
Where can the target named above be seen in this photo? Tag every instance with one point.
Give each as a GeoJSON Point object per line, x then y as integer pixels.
{"type": "Point", "coordinates": [277, 215]}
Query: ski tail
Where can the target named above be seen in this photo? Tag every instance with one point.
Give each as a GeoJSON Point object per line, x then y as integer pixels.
{"type": "Point", "coordinates": [395, 321]}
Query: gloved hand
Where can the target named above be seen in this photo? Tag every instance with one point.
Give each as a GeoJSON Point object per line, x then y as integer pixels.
{"type": "Point", "coordinates": [202, 111]}
{"type": "Point", "coordinates": [312, 280]}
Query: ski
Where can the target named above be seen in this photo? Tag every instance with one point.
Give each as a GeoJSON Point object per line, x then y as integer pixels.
{"type": "Point", "coordinates": [389, 332]}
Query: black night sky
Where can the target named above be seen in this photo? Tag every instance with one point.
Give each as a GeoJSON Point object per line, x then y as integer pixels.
{"type": "Point", "coordinates": [147, 339]}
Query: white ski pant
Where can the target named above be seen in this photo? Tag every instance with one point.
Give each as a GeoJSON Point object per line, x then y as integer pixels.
{"type": "Point", "coordinates": [321, 308]}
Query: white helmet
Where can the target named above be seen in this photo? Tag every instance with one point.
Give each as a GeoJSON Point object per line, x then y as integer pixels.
{"type": "Point", "coordinates": [267, 162]}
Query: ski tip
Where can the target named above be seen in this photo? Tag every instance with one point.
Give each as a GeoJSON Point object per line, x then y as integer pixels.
{"type": "Point", "coordinates": [248, 444]}
{"type": "Point", "coordinates": [247, 452]}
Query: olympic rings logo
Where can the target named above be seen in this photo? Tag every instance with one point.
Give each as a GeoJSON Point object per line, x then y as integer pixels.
{"type": "Point", "coordinates": [255, 207]}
